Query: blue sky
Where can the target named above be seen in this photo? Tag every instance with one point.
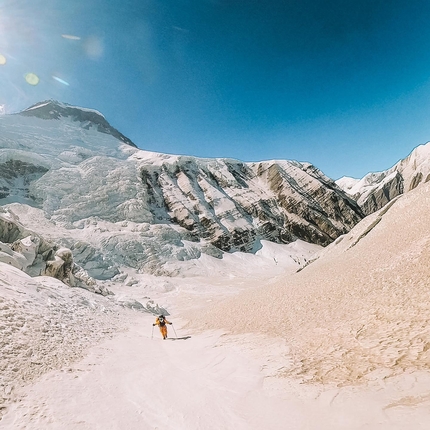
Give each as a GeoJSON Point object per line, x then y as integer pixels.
{"type": "Point", "coordinates": [341, 84]}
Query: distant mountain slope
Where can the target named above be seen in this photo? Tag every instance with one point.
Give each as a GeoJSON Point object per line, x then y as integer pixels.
{"type": "Point", "coordinates": [153, 207]}
{"type": "Point", "coordinates": [233, 204]}
{"type": "Point", "coordinates": [375, 190]}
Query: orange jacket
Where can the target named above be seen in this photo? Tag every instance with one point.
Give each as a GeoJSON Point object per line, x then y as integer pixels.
{"type": "Point", "coordinates": [161, 324]}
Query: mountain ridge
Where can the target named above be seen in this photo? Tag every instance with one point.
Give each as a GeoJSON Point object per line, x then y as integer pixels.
{"type": "Point", "coordinates": [376, 189]}
{"type": "Point", "coordinates": [177, 207]}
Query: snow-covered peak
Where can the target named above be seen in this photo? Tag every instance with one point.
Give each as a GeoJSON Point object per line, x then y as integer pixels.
{"type": "Point", "coordinates": [84, 178]}
{"type": "Point", "coordinates": [89, 118]}
{"type": "Point", "coordinates": [347, 183]}
{"type": "Point", "coordinates": [52, 109]}
{"type": "Point", "coordinates": [376, 189]}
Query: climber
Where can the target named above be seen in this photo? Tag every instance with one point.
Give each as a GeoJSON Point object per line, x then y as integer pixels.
{"type": "Point", "coordinates": [161, 322]}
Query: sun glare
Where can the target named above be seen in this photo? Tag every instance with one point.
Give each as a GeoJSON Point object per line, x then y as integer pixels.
{"type": "Point", "coordinates": [2, 60]}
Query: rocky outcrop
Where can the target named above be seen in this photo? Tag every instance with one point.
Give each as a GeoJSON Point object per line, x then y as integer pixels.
{"type": "Point", "coordinates": [382, 194]}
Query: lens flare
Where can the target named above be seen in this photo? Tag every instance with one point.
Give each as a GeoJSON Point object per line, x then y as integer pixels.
{"type": "Point", "coordinates": [93, 47]}
{"type": "Point", "coordinates": [70, 36]}
{"type": "Point", "coordinates": [2, 60]}
{"type": "Point", "coordinates": [31, 78]}
{"type": "Point", "coordinates": [61, 81]}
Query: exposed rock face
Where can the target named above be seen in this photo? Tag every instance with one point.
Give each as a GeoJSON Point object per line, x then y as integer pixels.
{"type": "Point", "coordinates": [61, 266]}
{"type": "Point", "coordinates": [375, 190]}
{"type": "Point", "coordinates": [381, 195]}
{"type": "Point", "coordinates": [233, 204]}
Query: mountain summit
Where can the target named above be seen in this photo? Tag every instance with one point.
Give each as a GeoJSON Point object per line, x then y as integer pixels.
{"type": "Point", "coordinates": [52, 109]}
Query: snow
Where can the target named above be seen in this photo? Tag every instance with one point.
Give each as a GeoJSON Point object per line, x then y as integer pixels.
{"type": "Point", "coordinates": [46, 325]}
{"type": "Point", "coordinates": [342, 344]}
{"type": "Point", "coordinates": [347, 183]}
{"type": "Point", "coordinates": [38, 105]}
{"type": "Point", "coordinates": [48, 139]}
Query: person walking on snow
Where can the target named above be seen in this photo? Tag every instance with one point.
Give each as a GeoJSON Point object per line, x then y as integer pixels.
{"type": "Point", "coordinates": [161, 322]}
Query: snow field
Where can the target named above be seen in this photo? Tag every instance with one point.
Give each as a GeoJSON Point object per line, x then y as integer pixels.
{"type": "Point", "coordinates": [358, 311]}
{"type": "Point", "coordinates": [342, 344]}
{"type": "Point", "coordinates": [46, 325]}
{"type": "Point", "coordinates": [136, 382]}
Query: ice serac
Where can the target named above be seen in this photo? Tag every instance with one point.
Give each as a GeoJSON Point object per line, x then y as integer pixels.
{"type": "Point", "coordinates": [33, 254]}
{"type": "Point", "coordinates": [119, 205]}
{"type": "Point", "coordinates": [16, 176]}
{"type": "Point", "coordinates": [375, 190]}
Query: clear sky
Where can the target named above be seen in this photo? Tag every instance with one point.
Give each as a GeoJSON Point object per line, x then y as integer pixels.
{"type": "Point", "coordinates": [338, 83]}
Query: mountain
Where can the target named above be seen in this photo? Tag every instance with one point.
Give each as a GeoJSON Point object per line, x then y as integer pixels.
{"type": "Point", "coordinates": [87, 118]}
{"type": "Point", "coordinates": [113, 204]}
{"type": "Point", "coordinates": [375, 190]}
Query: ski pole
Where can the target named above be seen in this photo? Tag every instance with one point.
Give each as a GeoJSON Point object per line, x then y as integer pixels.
{"type": "Point", "coordinates": [152, 334]}
{"type": "Point", "coordinates": [174, 331]}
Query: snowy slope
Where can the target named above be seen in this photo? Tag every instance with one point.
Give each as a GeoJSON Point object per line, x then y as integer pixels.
{"type": "Point", "coordinates": [88, 118]}
{"type": "Point", "coordinates": [341, 343]}
{"type": "Point", "coordinates": [46, 325]}
{"type": "Point", "coordinates": [358, 313]}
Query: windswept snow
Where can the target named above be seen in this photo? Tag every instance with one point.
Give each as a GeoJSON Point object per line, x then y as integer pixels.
{"type": "Point", "coordinates": [358, 313]}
